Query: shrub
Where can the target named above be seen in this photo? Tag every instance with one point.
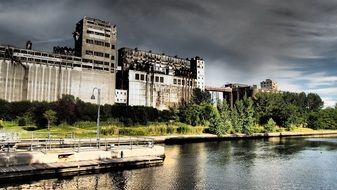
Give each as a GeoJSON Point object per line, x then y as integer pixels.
{"type": "Point", "coordinates": [22, 121]}
{"type": "Point", "coordinates": [170, 129]}
{"type": "Point", "coordinates": [110, 130]}
{"type": "Point", "coordinates": [270, 126]}
{"type": "Point", "coordinates": [2, 124]}
{"type": "Point", "coordinates": [30, 128]}
{"type": "Point", "coordinates": [183, 129]}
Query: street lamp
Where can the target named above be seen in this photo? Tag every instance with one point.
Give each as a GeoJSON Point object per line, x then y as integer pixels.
{"type": "Point", "coordinates": [98, 112]}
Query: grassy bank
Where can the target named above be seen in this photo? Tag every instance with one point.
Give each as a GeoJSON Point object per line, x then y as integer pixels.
{"type": "Point", "coordinates": [88, 130]}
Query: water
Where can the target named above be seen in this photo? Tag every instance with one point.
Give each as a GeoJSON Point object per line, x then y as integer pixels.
{"type": "Point", "coordinates": [287, 163]}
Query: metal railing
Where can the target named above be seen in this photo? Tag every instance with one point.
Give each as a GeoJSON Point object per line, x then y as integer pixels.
{"type": "Point", "coordinates": [45, 142]}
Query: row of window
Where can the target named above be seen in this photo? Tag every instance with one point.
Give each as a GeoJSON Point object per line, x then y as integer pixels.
{"type": "Point", "coordinates": [182, 82]}
{"type": "Point", "coordinates": [143, 78]}
{"type": "Point", "coordinates": [99, 43]}
{"type": "Point", "coordinates": [99, 24]}
{"type": "Point", "coordinates": [99, 54]}
{"type": "Point", "coordinates": [122, 93]}
{"type": "Point", "coordinates": [98, 33]}
{"type": "Point", "coordinates": [67, 64]}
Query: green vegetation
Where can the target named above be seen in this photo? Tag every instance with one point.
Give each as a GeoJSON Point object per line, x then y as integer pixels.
{"type": "Point", "coordinates": [266, 112]}
{"type": "Point", "coordinates": [88, 130]}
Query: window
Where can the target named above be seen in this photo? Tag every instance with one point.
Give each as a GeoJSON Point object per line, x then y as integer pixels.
{"type": "Point", "coordinates": [107, 35]}
{"type": "Point", "coordinates": [141, 77]}
{"type": "Point", "coordinates": [162, 79]}
{"type": "Point", "coordinates": [100, 54]}
{"type": "Point", "coordinates": [112, 46]}
{"type": "Point", "coordinates": [137, 76]}
{"type": "Point", "coordinates": [107, 44]}
{"type": "Point", "coordinates": [100, 43]}
{"type": "Point", "coordinates": [99, 62]}
{"type": "Point", "coordinates": [88, 52]}
{"type": "Point", "coordinates": [90, 41]}
{"type": "Point", "coordinates": [112, 57]}
{"type": "Point", "coordinates": [179, 82]}
{"type": "Point", "coordinates": [157, 79]}
{"type": "Point", "coordinates": [90, 32]}
{"type": "Point", "coordinates": [99, 34]}
{"type": "Point", "coordinates": [174, 81]}
{"type": "Point", "coordinates": [183, 82]}
{"type": "Point", "coordinates": [87, 60]}
{"type": "Point", "coordinates": [106, 55]}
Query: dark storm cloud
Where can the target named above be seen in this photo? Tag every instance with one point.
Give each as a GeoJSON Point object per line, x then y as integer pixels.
{"type": "Point", "coordinates": [243, 41]}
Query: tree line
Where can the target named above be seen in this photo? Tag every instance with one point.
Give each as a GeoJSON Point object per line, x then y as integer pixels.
{"type": "Point", "coordinates": [70, 110]}
{"type": "Point", "coordinates": [265, 112]}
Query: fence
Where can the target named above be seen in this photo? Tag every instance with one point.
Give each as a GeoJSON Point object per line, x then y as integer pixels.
{"type": "Point", "coordinates": [60, 141]}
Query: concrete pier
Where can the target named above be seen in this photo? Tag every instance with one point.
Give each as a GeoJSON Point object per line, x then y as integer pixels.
{"type": "Point", "coordinates": [62, 161]}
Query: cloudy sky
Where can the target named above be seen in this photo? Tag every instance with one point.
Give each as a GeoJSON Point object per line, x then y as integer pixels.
{"type": "Point", "coordinates": [291, 41]}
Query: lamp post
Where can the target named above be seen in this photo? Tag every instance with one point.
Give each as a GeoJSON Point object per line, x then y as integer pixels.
{"type": "Point", "coordinates": [98, 112]}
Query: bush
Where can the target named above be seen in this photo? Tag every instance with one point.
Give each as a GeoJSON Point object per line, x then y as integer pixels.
{"type": "Point", "coordinates": [22, 121]}
{"type": "Point", "coordinates": [183, 129]}
{"type": "Point", "coordinates": [30, 128]}
{"type": "Point", "coordinates": [170, 129]}
{"type": "Point", "coordinates": [2, 124]}
{"type": "Point", "coordinates": [85, 124]}
{"type": "Point", "coordinates": [110, 130]}
{"type": "Point", "coordinates": [270, 126]}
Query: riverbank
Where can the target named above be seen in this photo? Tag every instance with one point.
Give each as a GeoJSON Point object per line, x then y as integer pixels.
{"type": "Point", "coordinates": [210, 137]}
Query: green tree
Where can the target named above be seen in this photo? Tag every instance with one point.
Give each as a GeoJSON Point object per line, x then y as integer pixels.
{"type": "Point", "coordinates": [50, 115]}
{"type": "Point", "coordinates": [248, 116]}
{"type": "Point", "coordinates": [314, 102]}
{"type": "Point", "coordinates": [238, 116]}
{"type": "Point", "coordinates": [270, 126]}
{"type": "Point", "coordinates": [200, 96]}
{"type": "Point", "coordinates": [66, 109]}
{"type": "Point", "coordinates": [225, 116]}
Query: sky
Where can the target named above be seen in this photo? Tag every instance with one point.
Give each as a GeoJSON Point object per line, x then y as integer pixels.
{"type": "Point", "coordinates": [291, 42]}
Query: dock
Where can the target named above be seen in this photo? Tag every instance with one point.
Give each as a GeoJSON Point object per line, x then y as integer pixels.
{"type": "Point", "coordinates": [82, 167]}
{"type": "Point", "coordinates": [80, 159]}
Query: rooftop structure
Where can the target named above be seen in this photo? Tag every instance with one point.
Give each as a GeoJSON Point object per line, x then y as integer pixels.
{"type": "Point", "coordinates": [95, 42]}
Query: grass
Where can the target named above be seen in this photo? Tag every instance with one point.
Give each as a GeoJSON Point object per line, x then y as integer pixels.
{"type": "Point", "coordinates": [88, 130]}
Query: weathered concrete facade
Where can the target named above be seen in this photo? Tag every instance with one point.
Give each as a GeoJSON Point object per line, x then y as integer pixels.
{"type": "Point", "coordinates": [157, 80]}
{"type": "Point", "coordinates": [29, 75]}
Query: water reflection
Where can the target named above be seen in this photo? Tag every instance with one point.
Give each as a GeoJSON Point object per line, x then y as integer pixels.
{"type": "Point", "coordinates": [277, 163]}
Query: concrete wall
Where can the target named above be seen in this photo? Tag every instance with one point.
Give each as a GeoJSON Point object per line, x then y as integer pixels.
{"type": "Point", "coordinates": [48, 82]}
{"type": "Point", "coordinates": [160, 95]}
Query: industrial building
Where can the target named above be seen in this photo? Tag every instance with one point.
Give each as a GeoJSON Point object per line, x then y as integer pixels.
{"type": "Point", "coordinates": [144, 78]}
{"type": "Point", "coordinates": [269, 86]}
{"type": "Point", "coordinates": [158, 80]}
{"type": "Point", "coordinates": [31, 75]}
{"type": "Point", "coordinates": [231, 93]}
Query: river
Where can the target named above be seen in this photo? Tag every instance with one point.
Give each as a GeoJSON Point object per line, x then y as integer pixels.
{"type": "Point", "coordinates": [276, 163]}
